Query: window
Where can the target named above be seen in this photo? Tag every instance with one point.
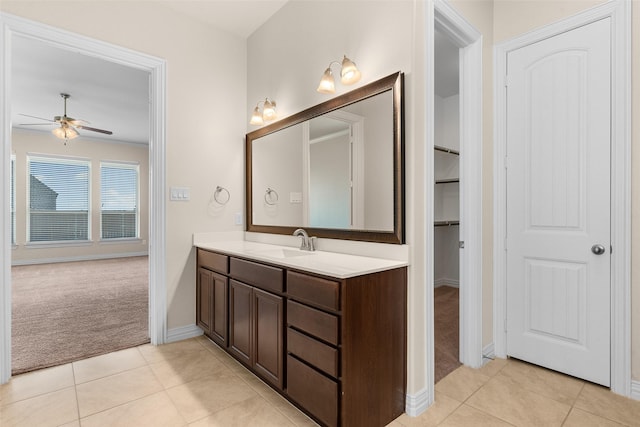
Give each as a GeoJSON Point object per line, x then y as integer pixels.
{"type": "Point", "coordinates": [119, 200]}
{"type": "Point", "coordinates": [13, 199]}
{"type": "Point", "coordinates": [58, 199]}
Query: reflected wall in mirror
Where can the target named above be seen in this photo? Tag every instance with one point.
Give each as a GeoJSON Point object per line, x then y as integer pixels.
{"type": "Point", "coordinates": [336, 169]}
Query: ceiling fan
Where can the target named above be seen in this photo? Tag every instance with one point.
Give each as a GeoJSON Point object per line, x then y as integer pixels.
{"type": "Point", "coordinates": [69, 126]}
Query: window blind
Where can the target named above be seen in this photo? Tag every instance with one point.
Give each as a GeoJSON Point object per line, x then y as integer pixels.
{"type": "Point", "coordinates": [58, 199]}
{"type": "Point", "coordinates": [119, 200]}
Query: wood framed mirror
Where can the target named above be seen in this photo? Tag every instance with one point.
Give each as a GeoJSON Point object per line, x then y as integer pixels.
{"type": "Point", "coordinates": [335, 169]}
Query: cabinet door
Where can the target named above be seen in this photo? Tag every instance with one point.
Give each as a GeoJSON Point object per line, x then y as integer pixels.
{"type": "Point", "coordinates": [240, 321]}
{"type": "Point", "coordinates": [268, 330]}
{"type": "Point", "coordinates": [204, 300]}
{"type": "Point", "coordinates": [218, 331]}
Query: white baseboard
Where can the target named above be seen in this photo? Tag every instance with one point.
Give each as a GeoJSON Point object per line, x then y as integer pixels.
{"type": "Point", "coordinates": [183, 332]}
{"type": "Point", "coordinates": [446, 282]}
{"type": "Point", "coordinates": [416, 404]}
{"type": "Point", "coordinates": [635, 390]}
{"type": "Point", "coordinates": [77, 258]}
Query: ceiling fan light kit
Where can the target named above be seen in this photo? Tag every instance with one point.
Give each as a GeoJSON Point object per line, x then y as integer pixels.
{"type": "Point", "coordinates": [65, 132]}
{"type": "Point", "coordinates": [68, 126]}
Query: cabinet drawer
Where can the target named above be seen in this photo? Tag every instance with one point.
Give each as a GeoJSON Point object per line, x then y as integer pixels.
{"type": "Point", "coordinates": [213, 261]}
{"type": "Point", "coordinates": [314, 322]}
{"type": "Point", "coordinates": [313, 391]}
{"type": "Point", "coordinates": [314, 290]}
{"type": "Point", "coordinates": [320, 355]}
{"type": "Point", "coordinates": [259, 275]}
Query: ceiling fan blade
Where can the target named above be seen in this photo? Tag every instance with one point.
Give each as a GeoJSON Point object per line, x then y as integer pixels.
{"type": "Point", "coordinates": [36, 117]}
{"type": "Point", "coordinates": [36, 124]}
{"type": "Point", "coordinates": [106, 132]}
{"type": "Point", "coordinates": [76, 122]}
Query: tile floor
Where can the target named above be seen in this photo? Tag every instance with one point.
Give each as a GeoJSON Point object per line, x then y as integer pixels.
{"type": "Point", "coordinates": [194, 383]}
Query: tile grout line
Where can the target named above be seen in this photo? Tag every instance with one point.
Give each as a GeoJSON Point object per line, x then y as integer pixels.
{"type": "Point", "coordinates": [75, 392]}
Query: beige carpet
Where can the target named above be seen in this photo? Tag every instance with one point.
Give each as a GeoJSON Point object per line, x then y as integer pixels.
{"type": "Point", "coordinates": [70, 311]}
{"type": "Point", "coordinates": [446, 330]}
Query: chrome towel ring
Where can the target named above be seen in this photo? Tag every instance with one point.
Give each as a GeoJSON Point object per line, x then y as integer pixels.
{"type": "Point", "coordinates": [221, 195]}
{"type": "Point", "coordinates": [271, 197]}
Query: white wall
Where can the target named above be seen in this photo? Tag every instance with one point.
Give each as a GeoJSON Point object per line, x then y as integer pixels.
{"type": "Point", "coordinates": [24, 142]}
{"type": "Point", "coordinates": [205, 121]}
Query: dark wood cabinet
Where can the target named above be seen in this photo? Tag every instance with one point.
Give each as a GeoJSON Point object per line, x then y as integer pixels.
{"type": "Point", "coordinates": [346, 347]}
{"type": "Point", "coordinates": [218, 331]}
{"type": "Point", "coordinates": [240, 322]}
{"type": "Point", "coordinates": [204, 299]}
{"type": "Point", "coordinates": [268, 331]}
{"type": "Point", "coordinates": [334, 347]}
{"type": "Point", "coordinates": [256, 328]}
{"type": "Point", "coordinates": [211, 296]}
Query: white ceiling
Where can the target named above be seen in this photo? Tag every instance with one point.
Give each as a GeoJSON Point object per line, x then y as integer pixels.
{"type": "Point", "coordinates": [108, 95]}
{"type": "Point", "coordinates": [114, 97]}
{"type": "Point", "coordinates": [105, 94]}
{"type": "Point", "coordinates": [239, 17]}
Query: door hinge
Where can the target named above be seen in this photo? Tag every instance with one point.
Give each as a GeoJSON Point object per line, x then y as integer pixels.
{"type": "Point", "coordinates": [461, 244]}
{"type": "Point", "coordinates": [610, 249]}
{"type": "Point", "coordinates": [507, 80]}
{"type": "Point", "coordinates": [506, 162]}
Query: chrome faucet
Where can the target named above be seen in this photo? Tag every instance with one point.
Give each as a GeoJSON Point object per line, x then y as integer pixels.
{"type": "Point", "coordinates": [308, 243]}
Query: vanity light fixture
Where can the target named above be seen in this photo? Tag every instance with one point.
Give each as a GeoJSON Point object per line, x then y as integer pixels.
{"type": "Point", "coordinates": [349, 74]}
{"type": "Point", "coordinates": [268, 112]}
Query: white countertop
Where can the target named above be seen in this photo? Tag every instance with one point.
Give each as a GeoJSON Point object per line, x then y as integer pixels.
{"type": "Point", "coordinates": [333, 264]}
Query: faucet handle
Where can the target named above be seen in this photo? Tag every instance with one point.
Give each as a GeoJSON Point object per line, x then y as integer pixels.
{"type": "Point", "coordinates": [312, 243]}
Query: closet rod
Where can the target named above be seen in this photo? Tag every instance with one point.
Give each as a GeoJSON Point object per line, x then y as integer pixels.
{"type": "Point", "coordinates": [446, 150]}
{"type": "Point", "coordinates": [445, 223]}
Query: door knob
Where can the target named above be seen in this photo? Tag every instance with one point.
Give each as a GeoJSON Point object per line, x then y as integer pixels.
{"type": "Point", "coordinates": [597, 249]}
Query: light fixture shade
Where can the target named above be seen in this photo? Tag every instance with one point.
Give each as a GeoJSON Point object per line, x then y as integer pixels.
{"type": "Point", "coordinates": [327, 83]}
{"type": "Point", "coordinates": [65, 132]}
{"type": "Point", "coordinates": [349, 73]}
{"type": "Point", "coordinates": [269, 110]}
{"type": "Point", "coordinates": [256, 118]}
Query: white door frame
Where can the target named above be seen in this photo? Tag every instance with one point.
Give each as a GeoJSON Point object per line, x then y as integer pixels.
{"type": "Point", "coordinates": [620, 13]}
{"type": "Point", "coordinates": [469, 41]}
{"type": "Point", "coordinates": [11, 25]}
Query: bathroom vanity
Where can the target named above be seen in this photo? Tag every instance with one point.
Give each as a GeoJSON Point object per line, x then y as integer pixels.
{"type": "Point", "coordinates": [326, 330]}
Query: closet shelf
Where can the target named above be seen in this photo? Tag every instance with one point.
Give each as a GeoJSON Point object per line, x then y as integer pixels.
{"type": "Point", "coordinates": [446, 223]}
{"type": "Point", "coordinates": [446, 150]}
{"type": "Point", "coordinates": [447, 180]}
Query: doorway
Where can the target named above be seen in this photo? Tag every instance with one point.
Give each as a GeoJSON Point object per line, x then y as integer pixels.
{"type": "Point", "coordinates": [446, 232]}
{"type": "Point", "coordinates": [466, 42]}
{"type": "Point", "coordinates": [14, 26]}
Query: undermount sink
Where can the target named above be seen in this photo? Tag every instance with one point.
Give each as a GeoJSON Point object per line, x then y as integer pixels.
{"type": "Point", "coordinates": [283, 253]}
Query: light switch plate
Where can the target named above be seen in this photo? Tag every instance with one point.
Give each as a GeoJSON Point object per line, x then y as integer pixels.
{"type": "Point", "coordinates": [180, 194]}
{"type": "Point", "coordinates": [295, 197]}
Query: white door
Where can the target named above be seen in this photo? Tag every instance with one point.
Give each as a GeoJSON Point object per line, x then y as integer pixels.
{"type": "Point", "coordinates": [558, 202]}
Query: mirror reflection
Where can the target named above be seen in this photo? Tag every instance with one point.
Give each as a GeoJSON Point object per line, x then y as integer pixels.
{"type": "Point", "coordinates": [338, 169]}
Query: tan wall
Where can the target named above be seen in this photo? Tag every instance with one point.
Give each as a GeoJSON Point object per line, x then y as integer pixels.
{"type": "Point", "coordinates": [509, 19]}
{"type": "Point", "coordinates": [43, 143]}
{"type": "Point", "coordinates": [206, 79]}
